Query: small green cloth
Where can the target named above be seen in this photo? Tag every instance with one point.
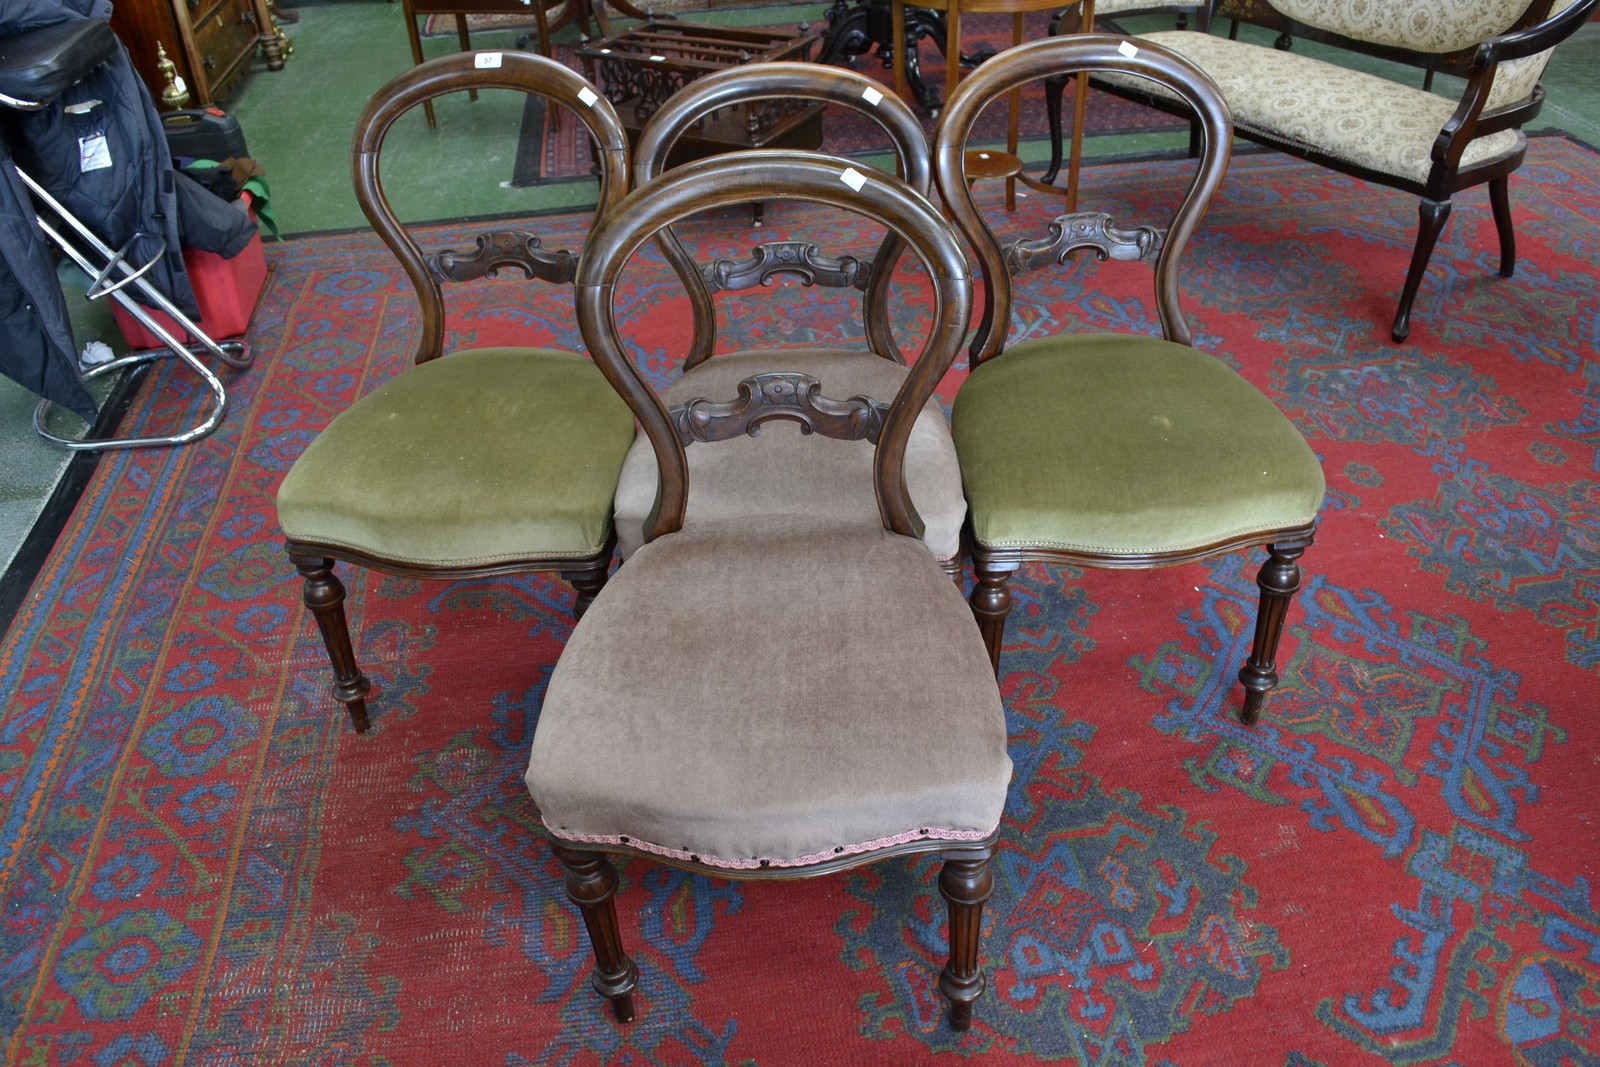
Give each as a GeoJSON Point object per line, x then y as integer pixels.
{"type": "Point", "coordinates": [484, 456]}
{"type": "Point", "coordinates": [1118, 444]}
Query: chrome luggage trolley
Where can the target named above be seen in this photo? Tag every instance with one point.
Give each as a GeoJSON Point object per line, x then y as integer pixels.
{"type": "Point", "coordinates": [35, 68]}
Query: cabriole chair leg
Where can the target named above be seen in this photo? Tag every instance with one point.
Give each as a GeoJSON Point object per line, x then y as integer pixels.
{"type": "Point", "coordinates": [1500, 201]}
{"type": "Point", "coordinates": [1279, 581]}
{"type": "Point", "coordinates": [324, 595]}
{"type": "Point", "coordinates": [1432, 215]}
{"type": "Point", "coordinates": [965, 882]}
{"type": "Point", "coordinates": [592, 886]}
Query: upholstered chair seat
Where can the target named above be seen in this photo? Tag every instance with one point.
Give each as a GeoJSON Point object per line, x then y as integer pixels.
{"type": "Point", "coordinates": [781, 471]}
{"type": "Point", "coordinates": [481, 457]}
{"type": "Point", "coordinates": [869, 718]}
{"type": "Point", "coordinates": [1126, 446]}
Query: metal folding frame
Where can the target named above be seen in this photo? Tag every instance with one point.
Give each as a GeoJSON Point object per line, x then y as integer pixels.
{"type": "Point", "coordinates": [113, 280]}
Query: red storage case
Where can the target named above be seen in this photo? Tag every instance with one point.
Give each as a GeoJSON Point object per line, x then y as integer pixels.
{"type": "Point", "coordinates": [226, 290]}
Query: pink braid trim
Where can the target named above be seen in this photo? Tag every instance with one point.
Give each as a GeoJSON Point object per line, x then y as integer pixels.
{"type": "Point", "coordinates": [754, 864]}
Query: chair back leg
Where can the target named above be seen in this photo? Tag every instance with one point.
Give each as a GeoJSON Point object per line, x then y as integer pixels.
{"type": "Point", "coordinates": [324, 595]}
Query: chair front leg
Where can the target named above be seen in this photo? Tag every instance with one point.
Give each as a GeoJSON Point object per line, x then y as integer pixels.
{"type": "Point", "coordinates": [991, 601]}
{"type": "Point", "coordinates": [589, 577]}
{"type": "Point", "coordinates": [1432, 215]}
{"type": "Point", "coordinates": [965, 882]}
{"type": "Point", "coordinates": [1500, 201]}
{"type": "Point", "coordinates": [324, 595]}
{"type": "Point", "coordinates": [1279, 581]}
{"type": "Point", "coordinates": [592, 886]}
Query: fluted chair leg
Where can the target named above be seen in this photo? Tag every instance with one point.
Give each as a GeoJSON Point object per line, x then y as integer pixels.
{"type": "Point", "coordinates": [965, 882]}
{"type": "Point", "coordinates": [324, 595]}
{"type": "Point", "coordinates": [588, 581]}
{"type": "Point", "coordinates": [991, 603]}
{"type": "Point", "coordinates": [1432, 215]}
{"type": "Point", "coordinates": [592, 886]}
{"type": "Point", "coordinates": [1279, 581]}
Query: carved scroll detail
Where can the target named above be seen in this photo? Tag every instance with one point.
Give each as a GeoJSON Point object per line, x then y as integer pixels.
{"type": "Point", "coordinates": [1087, 229]}
{"type": "Point", "coordinates": [785, 395]}
{"type": "Point", "coordinates": [798, 258]}
{"type": "Point", "coordinates": [504, 248]}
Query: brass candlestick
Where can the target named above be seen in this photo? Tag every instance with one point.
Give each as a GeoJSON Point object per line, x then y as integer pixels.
{"type": "Point", "coordinates": [174, 93]}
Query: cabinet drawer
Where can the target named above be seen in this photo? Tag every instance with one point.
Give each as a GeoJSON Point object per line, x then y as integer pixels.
{"type": "Point", "coordinates": [227, 36]}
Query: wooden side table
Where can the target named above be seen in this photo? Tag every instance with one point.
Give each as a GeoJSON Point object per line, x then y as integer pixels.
{"type": "Point", "coordinates": [995, 163]}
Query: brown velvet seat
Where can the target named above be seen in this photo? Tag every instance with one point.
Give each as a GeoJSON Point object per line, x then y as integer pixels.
{"type": "Point", "coordinates": [743, 472]}
{"type": "Point", "coordinates": [486, 461]}
{"type": "Point", "coordinates": [1121, 451]}
{"type": "Point", "coordinates": [774, 695]}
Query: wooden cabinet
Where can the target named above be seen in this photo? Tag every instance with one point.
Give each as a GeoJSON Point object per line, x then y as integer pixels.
{"type": "Point", "coordinates": [210, 42]}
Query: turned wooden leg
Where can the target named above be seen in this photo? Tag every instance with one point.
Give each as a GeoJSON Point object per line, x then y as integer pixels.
{"type": "Point", "coordinates": [991, 603]}
{"type": "Point", "coordinates": [1500, 200]}
{"type": "Point", "coordinates": [1432, 215]}
{"type": "Point", "coordinates": [952, 567]}
{"type": "Point", "coordinates": [592, 886]}
{"type": "Point", "coordinates": [965, 882]}
{"type": "Point", "coordinates": [324, 595]}
{"type": "Point", "coordinates": [1279, 581]}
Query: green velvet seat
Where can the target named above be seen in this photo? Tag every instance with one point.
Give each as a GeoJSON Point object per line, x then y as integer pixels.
{"type": "Point", "coordinates": [483, 457]}
{"type": "Point", "coordinates": [484, 461]}
{"type": "Point", "coordinates": [1126, 446]}
{"type": "Point", "coordinates": [1111, 450]}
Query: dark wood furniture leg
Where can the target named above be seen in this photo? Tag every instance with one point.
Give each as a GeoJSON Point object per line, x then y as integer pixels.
{"type": "Point", "coordinates": [592, 886]}
{"type": "Point", "coordinates": [588, 579]}
{"type": "Point", "coordinates": [965, 882]}
{"type": "Point", "coordinates": [1432, 215]}
{"type": "Point", "coordinates": [991, 603]}
{"type": "Point", "coordinates": [324, 595]}
{"type": "Point", "coordinates": [1279, 581]}
{"type": "Point", "coordinates": [1500, 201]}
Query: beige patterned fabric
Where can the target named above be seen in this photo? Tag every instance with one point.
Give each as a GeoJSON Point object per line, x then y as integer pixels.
{"type": "Point", "coordinates": [1361, 118]}
{"type": "Point", "coordinates": [1514, 81]}
{"type": "Point", "coordinates": [1420, 25]}
{"type": "Point", "coordinates": [783, 472]}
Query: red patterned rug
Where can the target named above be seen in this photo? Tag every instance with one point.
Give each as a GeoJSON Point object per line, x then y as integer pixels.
{"type": "Point", "coordinates": [201, 864]}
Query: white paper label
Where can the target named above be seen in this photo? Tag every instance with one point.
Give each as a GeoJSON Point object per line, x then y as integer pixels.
{"type": "Point", "coordinates": [1127, 49]}
{"type": "Point", "coordinates": [588, 96]}
{"type": "Point", "coordinates": [872, 95]}
{"type": "Point", "coordinates": [658, 59]}
{"type": "Point", "coordinates": [853, 178]}
{"type": "Point", "coordinates": [487, 60]}
{"type": "Point", "coordinates": [93, 152]}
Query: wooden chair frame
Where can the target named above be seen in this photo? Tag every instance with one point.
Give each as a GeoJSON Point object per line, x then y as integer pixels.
{"type": "Point", "coordinates": [965, 880]}
{"type": "Point", "coordinates": [991, 600]}
{"type": "Point", "coordinates": [324, 593]}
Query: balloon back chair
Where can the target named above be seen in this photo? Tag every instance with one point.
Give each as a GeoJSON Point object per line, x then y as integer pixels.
{"type": "Point", "coordinates": [1109, 450]}
{"type": "Point", "coordinates": [774, 696]}
{"type": "Point", "coordinates": [486, 461]}
{"type": "Point", "coordinates": [771, 472]}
